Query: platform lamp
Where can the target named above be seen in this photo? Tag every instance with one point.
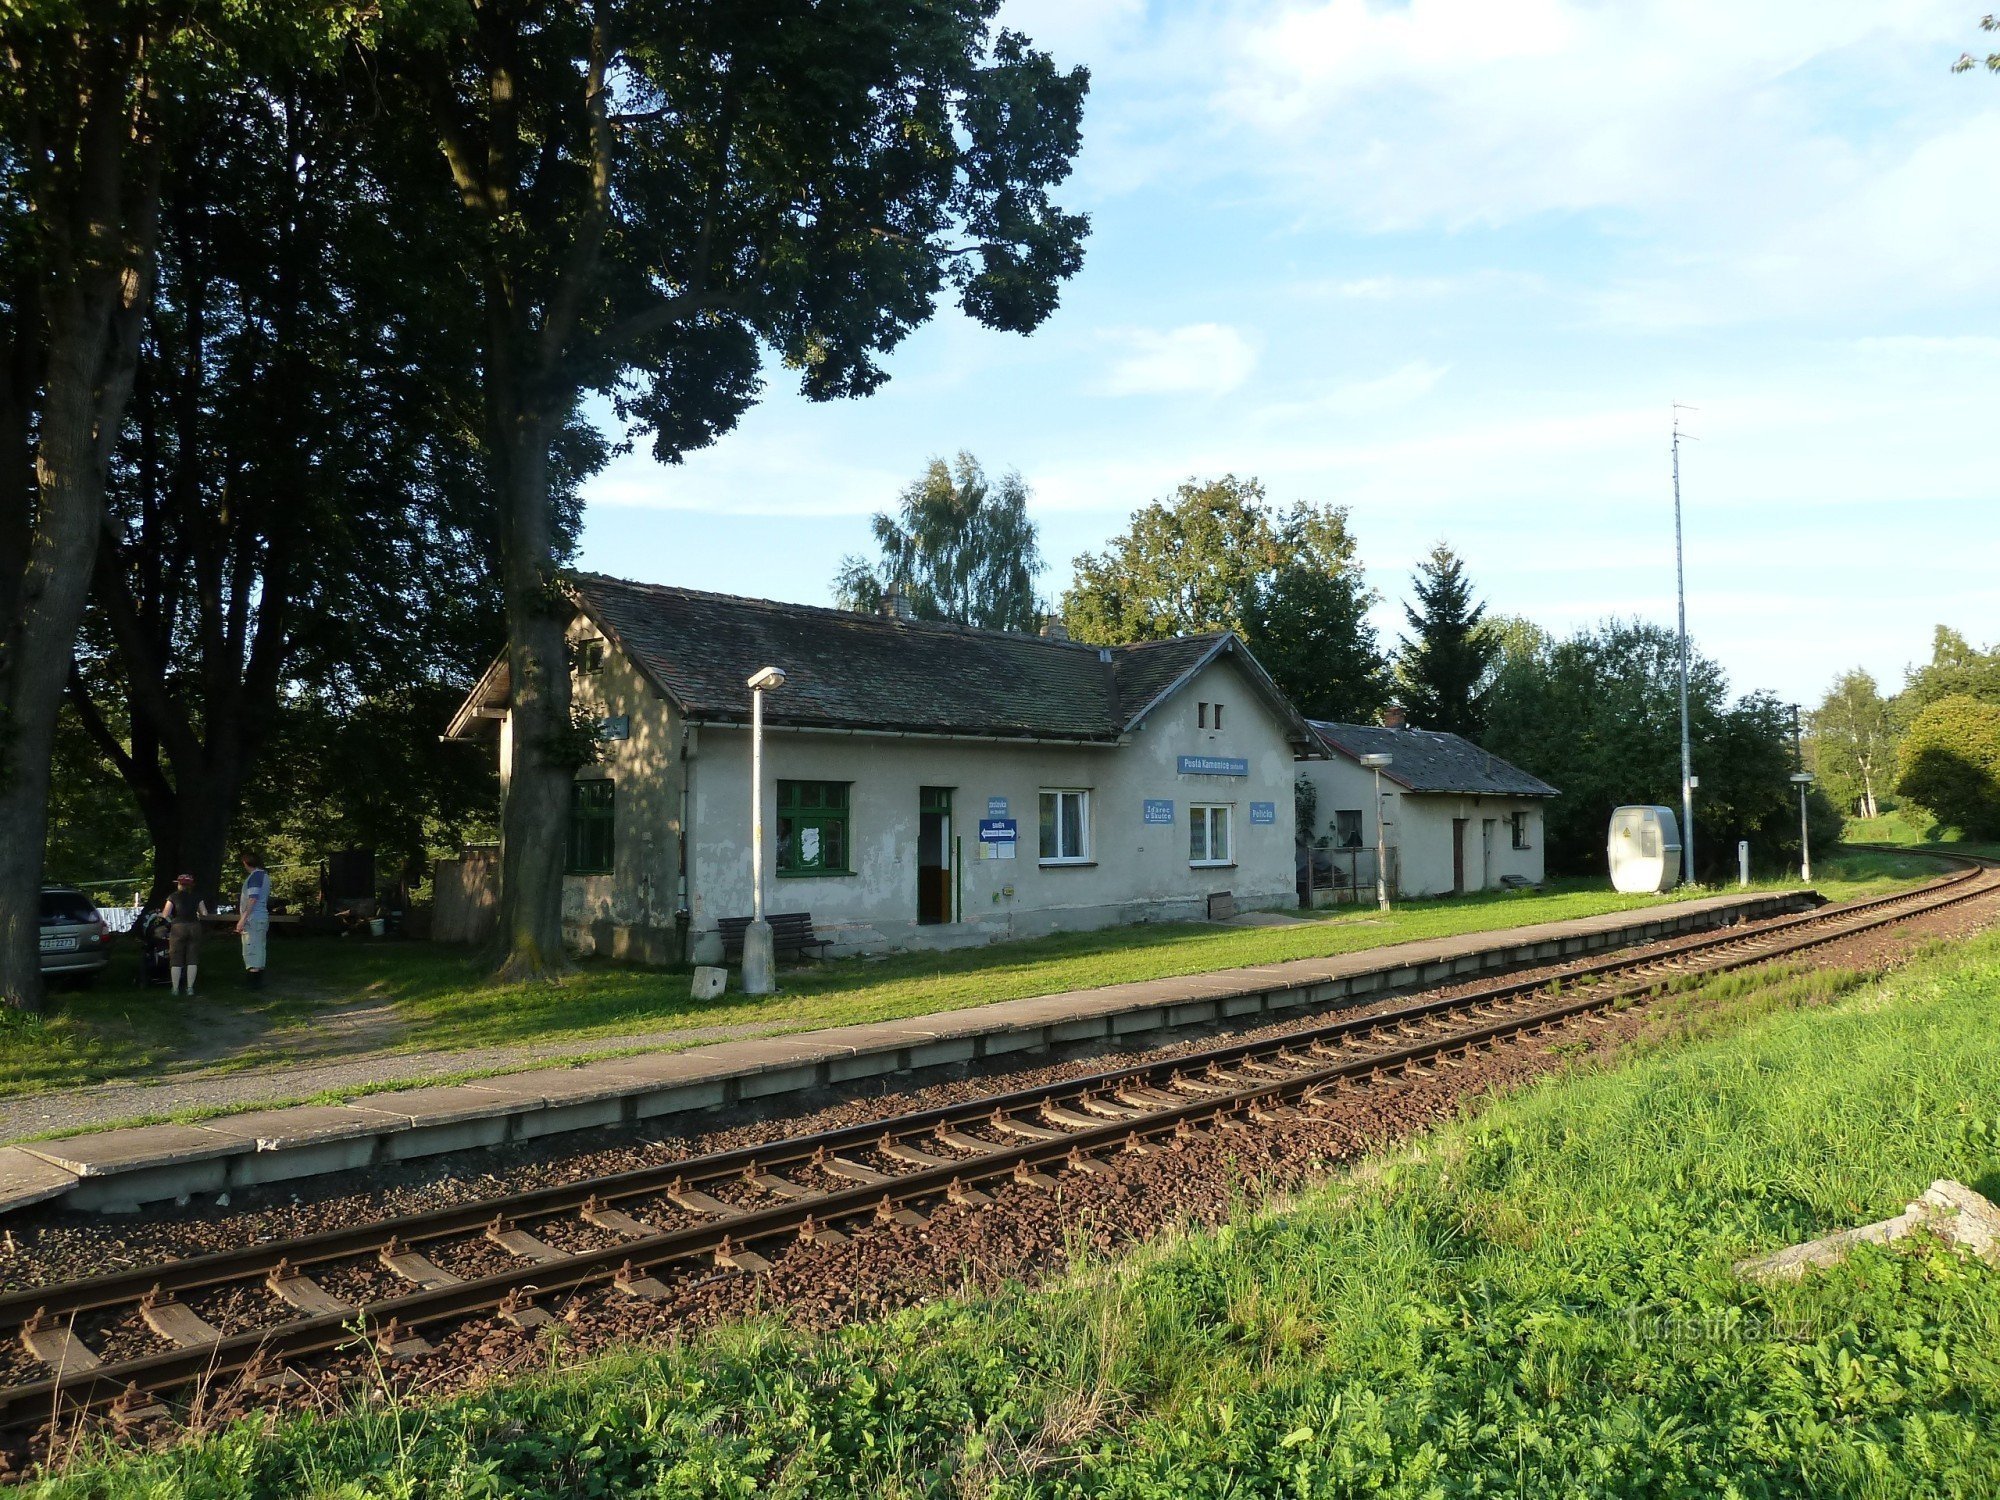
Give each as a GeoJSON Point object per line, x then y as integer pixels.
{"type": "Point", "coordinates": [1802, 780]}
{"type": "Point", "coordinates": [1375, 763]}
{"type": "Point", "coordinates": [760, 961]}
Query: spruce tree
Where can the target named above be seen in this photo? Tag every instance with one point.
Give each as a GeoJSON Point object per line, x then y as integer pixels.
{"type": "Point", "coordinates": [1442, 669]}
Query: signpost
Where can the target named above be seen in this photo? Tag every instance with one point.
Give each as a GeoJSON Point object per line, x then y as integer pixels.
{"type": "Point", "coordinates": [998, 837]}
{"type": "Point", "coordinates": [1160, 810]}
{"type": "Point", "coordinates": [1263, 812]}
{"type": "Point", "coordinates": [1214, 765]}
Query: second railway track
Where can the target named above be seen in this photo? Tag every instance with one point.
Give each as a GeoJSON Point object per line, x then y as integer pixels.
{"type": "Point", "coordinates": [733, 1208]}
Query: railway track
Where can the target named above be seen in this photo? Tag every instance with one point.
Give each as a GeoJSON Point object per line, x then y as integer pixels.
{"type": "Point", "coordinates": [729, 1210]}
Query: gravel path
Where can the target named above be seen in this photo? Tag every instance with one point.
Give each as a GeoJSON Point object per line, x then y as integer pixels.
{"type": "Point", "coordinates": [105, 1104]}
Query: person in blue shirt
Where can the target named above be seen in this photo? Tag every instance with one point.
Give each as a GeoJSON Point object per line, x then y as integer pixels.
{"type": "Point", "coordinates": [253, 917]}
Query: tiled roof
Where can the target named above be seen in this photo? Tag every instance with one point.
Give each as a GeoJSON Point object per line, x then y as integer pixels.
{"type": "Point", "coordinates": [846, 670]}
{"type": "Point", "coordinates": [1426, 760]}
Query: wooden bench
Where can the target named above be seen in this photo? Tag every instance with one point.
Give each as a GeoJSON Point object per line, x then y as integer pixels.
{"type": "Point", "coordinates": [791, 936]}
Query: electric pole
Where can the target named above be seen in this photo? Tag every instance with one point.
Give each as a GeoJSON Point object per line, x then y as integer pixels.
{"type": "Point", "coordinates": [1680, 593]}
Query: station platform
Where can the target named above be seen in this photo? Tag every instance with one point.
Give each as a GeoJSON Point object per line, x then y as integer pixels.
{"type": "Point", "coordinates": [123, 1169]}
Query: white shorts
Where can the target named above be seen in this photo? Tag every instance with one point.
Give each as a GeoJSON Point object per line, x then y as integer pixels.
{"type": "Point", "coordinates": [254, 936]}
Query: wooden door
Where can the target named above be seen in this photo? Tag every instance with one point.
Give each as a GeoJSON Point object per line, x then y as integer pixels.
{"type": "Point", "coordinates": [1458, 855]}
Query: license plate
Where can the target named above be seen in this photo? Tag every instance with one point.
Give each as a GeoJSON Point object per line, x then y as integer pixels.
{"type": "Point", "coordinates": [59, 945]}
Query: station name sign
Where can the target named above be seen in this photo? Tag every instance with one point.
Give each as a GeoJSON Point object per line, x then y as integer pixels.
{"type": "Point", "coordinates": [1214, 765]}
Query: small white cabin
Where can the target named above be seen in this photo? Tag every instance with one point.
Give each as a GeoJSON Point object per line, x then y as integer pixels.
{"type": "Point", "coordinates": [1644, 850]}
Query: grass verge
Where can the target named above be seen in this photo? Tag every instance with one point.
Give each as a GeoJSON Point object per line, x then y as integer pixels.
{"type": "Point", "coordinates": [1538, 1301]}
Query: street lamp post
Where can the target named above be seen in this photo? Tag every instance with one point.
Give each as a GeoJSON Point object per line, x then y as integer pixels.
{"type": "Point", "coordinates": [1375, 763]}
{"type": "Point", "coordinates": [1802, 780]}
{"type": "Point", "coordinates": [760, 960]}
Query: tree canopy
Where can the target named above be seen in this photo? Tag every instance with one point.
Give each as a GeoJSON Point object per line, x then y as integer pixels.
{"type": "Point", "coordinates": [656, 196]}
{"type": "Point", "coordinates": [1596, 715]}
{"type": "Point", "coordinates": [1949, 764]}
{"type": "Point", "coordinates": [1442, 668]}
{"type": "Point", "coordinates": [958, 548]}
{"type": "Point", "coordinates": [1217, 556]}
{"type": "Point", "coordinates": [1852, 742]}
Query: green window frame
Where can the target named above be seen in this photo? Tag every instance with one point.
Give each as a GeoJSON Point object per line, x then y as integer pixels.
{"type": "Point", "coordinates": [815, 836]}
{"type": "Point", "coordinates": [593, 821]}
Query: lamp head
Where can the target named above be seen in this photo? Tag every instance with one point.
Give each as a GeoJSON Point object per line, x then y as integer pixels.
{"type": "Point", "coordinates": [767, 678]}
{"type": "Point", "coordinates": [1802, 778]}
{"type": "Point", "coordinates": [1377, 762]}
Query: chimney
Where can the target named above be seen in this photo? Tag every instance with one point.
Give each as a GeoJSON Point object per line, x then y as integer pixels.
{"type": "Point", "coordinates": [1393, 717]}
{"type": "Point", "coordinates": [1054, 629]}
{"type": "Point", "coordinates": [894, 606]}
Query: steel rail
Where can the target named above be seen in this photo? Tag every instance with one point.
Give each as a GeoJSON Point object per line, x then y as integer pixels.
{"type": "Point", "coordinates": [383, 1319]}
{"type": "Point", "coordinates": [224, 1267]}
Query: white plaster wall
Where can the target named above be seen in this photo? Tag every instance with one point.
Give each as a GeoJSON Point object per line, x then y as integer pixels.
{"type": "Point", "coordinates": [1137, 871]}
{"type": "Point", "coordinates": [1419, 827]}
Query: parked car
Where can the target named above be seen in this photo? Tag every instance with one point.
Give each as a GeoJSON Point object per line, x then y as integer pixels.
{"type": "Point", "coordinates": [76, 945]}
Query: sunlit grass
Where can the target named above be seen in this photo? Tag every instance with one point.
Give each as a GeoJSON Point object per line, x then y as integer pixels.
{"type": "Point", "coordinates": [440, 999]}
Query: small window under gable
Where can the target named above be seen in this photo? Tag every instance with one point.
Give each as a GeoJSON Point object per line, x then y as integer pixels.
{"type": "Point", "coordinates": [589, 657]}
{"type": "Point", "coordinates": [1201, 716]}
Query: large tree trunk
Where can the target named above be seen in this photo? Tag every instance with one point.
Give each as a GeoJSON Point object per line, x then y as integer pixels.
{"type": "Point", "coordinates": [35, 655]}
{"type": "Point", "coordinates": [96, 171]}
{"type": "Point", "coordinates": [534, 817]}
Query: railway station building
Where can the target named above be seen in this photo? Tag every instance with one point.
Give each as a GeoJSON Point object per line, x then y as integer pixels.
{"type": "Point", "coordinates": [925, 785]}
{"type": "Point", "coordinates": [1454, 818]}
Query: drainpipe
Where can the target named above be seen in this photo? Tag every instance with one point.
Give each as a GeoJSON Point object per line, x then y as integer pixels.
{"type": "Point", "coordinates": [683, 916]}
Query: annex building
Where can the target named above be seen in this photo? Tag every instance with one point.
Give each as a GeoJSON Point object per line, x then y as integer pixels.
{"type": "Point", "coordinates": [925, 785]}
{"type": "Point", "coordinates": [1454, 817]}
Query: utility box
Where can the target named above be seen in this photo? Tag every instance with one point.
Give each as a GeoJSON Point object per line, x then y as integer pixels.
{"type": "Point", "coordinates": [1644, 850]}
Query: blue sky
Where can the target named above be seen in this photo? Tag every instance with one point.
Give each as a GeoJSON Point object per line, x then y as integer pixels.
{"type": "Point", "coordinates": [1449, 263]}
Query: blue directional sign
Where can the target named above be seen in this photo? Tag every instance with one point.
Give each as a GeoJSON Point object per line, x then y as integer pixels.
{"type": "Point", "coordinates": [998, 831]}
{"type": "Point", "coordinates": [1160, 810]}
{"type": "Point", "coordinates": [1263, 812]}
{"type": "Point", "coordinates": [1214, 765]}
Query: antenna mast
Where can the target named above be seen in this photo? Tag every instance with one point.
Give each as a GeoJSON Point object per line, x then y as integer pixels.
{"type": "Point", "coordinates": [1680, 594]}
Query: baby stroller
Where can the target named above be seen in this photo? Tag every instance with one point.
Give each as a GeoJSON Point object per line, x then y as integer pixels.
{"type": "Point", "coordinates": [153, 966]}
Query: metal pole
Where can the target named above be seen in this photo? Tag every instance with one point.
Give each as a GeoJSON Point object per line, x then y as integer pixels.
{"type": "Point", "coordinates": [1687, 749]}
{"type": "Point", "coordinates": [756, 804]}
{"type": "Point", "coordinates": [1805, 839]}
{"type": "Point", "coordinates": [1381, 850]}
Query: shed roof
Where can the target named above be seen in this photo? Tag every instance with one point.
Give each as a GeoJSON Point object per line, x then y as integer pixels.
{"type": "Point", "coordinates": [1429, 760]}
{"type": "Point", "coordinates": [868, 672]}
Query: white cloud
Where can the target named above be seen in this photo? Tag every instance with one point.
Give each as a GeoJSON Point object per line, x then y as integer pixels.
{"type": "Point", "coordinates": [1208, 359]}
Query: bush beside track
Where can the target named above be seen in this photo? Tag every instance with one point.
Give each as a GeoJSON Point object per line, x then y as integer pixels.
{"type": "Point", "coordinates": [1538, 1302]}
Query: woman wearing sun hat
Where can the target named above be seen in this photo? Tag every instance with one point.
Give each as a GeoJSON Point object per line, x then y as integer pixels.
{"type": "Point", "coordinates": [184, 911]}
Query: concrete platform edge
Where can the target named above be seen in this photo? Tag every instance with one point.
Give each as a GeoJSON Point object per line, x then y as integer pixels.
{"type": "Point", "coordinates": [121, 1170]}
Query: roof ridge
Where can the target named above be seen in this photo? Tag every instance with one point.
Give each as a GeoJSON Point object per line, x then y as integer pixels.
{"type": "Point", "coordinates": [835, 612]}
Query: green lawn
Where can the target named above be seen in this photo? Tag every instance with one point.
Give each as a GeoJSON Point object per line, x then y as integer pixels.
{"type": "Point", "coordinates": [437, 999]}
{"type": "Point", "coordinates": [1537, 1302]}
{"type": "Point", "coordinates": [1913, 829]}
